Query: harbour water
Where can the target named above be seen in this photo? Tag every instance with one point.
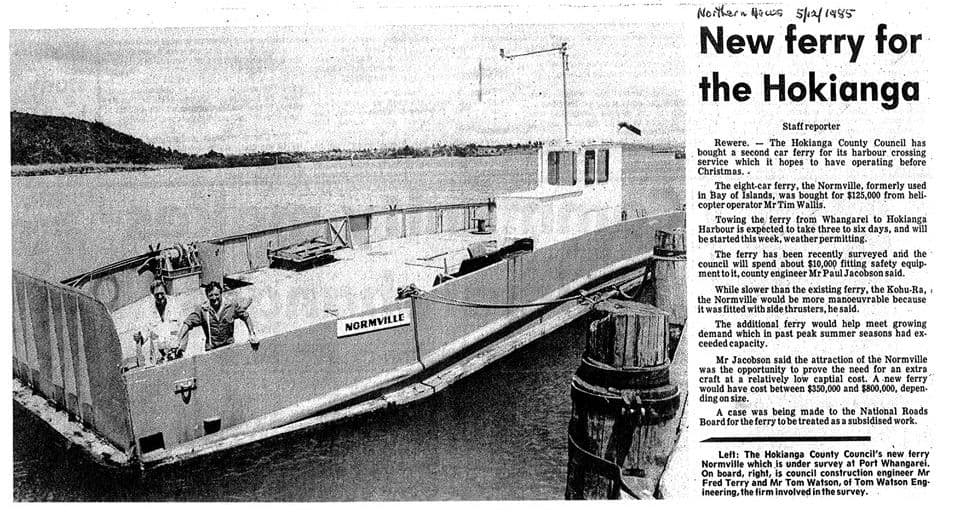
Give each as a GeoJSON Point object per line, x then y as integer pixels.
{"type": "Point", "coordinates": [500, 434]}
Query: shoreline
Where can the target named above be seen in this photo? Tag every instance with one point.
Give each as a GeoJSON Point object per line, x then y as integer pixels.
{"type": "Point", "coordinates": [22, 171]}
{"type": "Point", "coordinates": [59, 169]}
{"type": "Point", "coordinates": [54, 169]}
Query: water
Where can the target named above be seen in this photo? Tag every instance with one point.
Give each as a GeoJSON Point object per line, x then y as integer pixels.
{"type": "Point", "coordinates": [500, 434]}
{"type": "Point", "coordinates": [65, 225]}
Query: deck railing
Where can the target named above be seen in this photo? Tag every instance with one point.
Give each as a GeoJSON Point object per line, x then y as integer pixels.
{"type": "Point", "coordinates": [122, 283]}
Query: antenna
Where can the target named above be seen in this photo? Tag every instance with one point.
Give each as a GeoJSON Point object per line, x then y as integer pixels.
{"type": "Point", "coordinates": [480, 75]}
{"type": "Point", "coordinates": [562, 49]}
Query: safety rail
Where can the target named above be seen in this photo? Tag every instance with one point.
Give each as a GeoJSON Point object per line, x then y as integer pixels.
{"type": "Point", "coordinates": [124, 282]}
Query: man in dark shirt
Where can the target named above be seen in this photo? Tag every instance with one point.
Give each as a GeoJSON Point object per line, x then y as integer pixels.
{"type": "Point", "coordinates": [216, 317]}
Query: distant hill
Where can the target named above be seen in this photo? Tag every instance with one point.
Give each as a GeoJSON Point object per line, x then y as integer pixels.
{"type": "Point", "coordinates": [43, 145]}
{"type": "Point", "coordinates": [52, 139]}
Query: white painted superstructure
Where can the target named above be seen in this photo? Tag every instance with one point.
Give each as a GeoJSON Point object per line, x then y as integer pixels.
{"type": "Point", "coordinates": [579, 190]}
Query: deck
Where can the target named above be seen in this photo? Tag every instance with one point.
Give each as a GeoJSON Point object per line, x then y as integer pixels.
{"type": "Point", "coordinates": [360, 279]}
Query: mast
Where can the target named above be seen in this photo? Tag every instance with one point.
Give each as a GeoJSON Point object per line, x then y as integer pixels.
{"type": "Point", "coordinates": [564, 65]}
{"type": "Point", "coordinates": [480, 76]}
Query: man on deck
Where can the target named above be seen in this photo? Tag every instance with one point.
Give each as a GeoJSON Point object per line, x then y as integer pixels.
{"type": "Point", "coordinates": [160, 330]}
{"type": "Point", "coordinates": [216, 317]}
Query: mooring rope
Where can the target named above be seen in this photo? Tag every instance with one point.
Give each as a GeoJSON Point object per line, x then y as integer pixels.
{"type": "Point", "coordinates": [606, 468]}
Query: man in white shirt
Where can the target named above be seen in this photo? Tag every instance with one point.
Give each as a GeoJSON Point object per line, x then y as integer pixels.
{"type": "Point", "coordinates": [162, 329]}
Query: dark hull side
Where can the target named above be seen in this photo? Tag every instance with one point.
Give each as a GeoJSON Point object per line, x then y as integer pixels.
{"type": "Point", "coordinates": [219, 399]}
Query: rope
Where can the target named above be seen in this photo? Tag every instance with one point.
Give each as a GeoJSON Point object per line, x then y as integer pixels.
{"type": "Point", "coordinates": [626, 295]}
{"type": "Point", "coordinates": [636, 293]}
{"type": "Point", "coordinates": [607, 469]}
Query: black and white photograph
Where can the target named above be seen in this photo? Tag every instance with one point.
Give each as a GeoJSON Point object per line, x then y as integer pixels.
{"type": "Point", "coordinates": [372, 254]}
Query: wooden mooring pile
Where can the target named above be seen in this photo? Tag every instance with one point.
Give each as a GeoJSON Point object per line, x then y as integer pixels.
{"type": "Point", "coordinates": [623, 393]}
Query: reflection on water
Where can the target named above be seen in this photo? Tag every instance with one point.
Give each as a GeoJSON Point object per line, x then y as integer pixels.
{"type": "Point", "coordinates": [500, 434]}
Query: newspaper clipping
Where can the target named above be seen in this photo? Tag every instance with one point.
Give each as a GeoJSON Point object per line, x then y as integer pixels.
{"type": "Point", "coordinates": [467, 251]}
{"type": "Point", "coordinates": [811, 287]}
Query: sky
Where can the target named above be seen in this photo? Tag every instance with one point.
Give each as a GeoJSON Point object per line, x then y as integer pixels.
{"type": "Point", "coordinates": [305, 88]}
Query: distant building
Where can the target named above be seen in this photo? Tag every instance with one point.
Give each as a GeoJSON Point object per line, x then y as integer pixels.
{"type": "Point", "coordinates": [489, 150]}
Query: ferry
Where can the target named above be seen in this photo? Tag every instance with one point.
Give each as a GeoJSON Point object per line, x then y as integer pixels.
{"type": "Point", "coordinates": [353, 314]}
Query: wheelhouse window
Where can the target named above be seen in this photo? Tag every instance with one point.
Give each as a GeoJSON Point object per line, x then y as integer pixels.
{"type": "Point", "coordinates": [562, 168]}
{"type": "Point", "coordinates": [603, 164]}
{"type": "Point", "coordinates": [589, 167]}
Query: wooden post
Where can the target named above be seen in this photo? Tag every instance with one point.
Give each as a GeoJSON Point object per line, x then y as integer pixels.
{"type": "Point", "coordinates": [621, 393]}
{"type": "Point", "coordinates": [670, 280]}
